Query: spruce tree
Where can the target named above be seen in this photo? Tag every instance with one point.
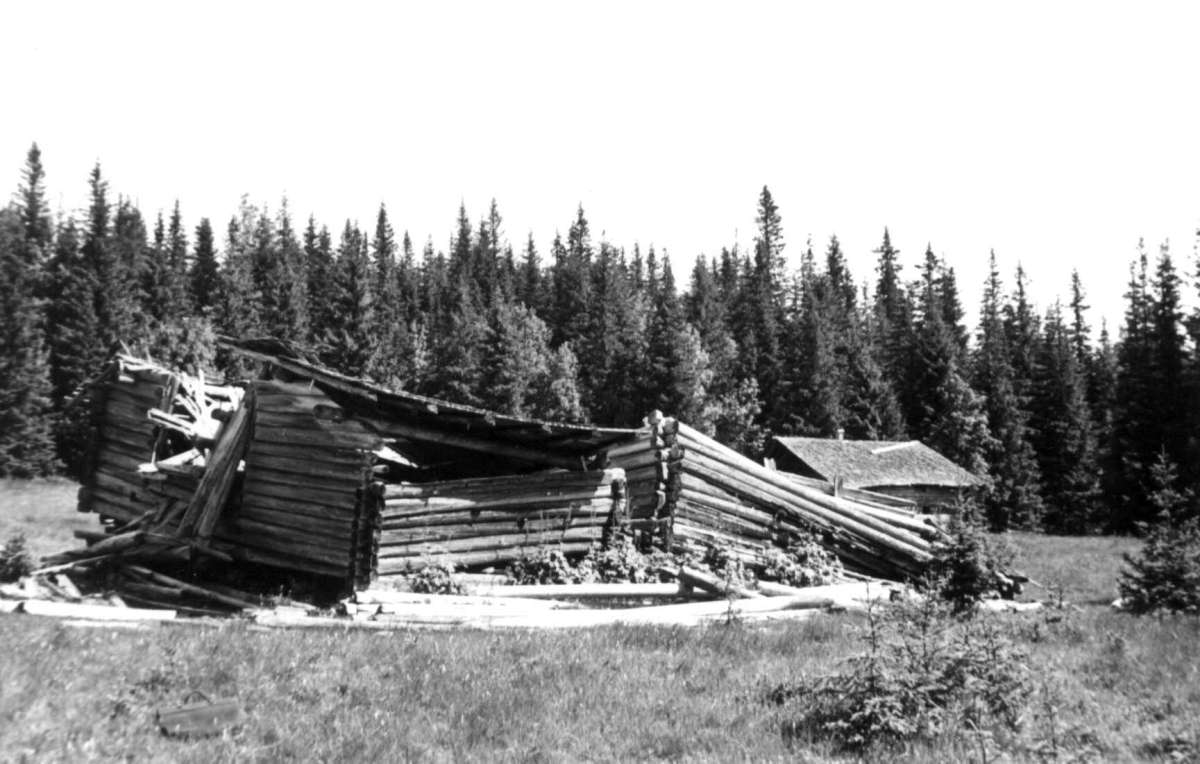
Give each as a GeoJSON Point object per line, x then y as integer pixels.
{"type": "Point", "coordinates": [205, 278]}
{"type": "Point", "coordinates": [291, 285]}
{"type": "Point", "coordinates": [893, 317]}
{"type": "Point", "coordinates": [76, 354]}
{"type": "Point", "coordinates": [318, 269]}
{"type": "Point", "coordinates": [239, 310]}
{"type": "Point", "coordinates": [389, 330]}
{"type": "Point", "coordinates": [123, 267]}
{"type": "Point", "coordinates": [177, 246]}
{"type": "Point", "coordinates": [1063, 433]}
{"type": "Point", "coordinates": [348, 346]}
{"type": "Point", "coordinates": [1014, 497]}
{"type": "Point", "coordinates": [947, 414]}
{"type": "Point", "coordinates": [570, 274]}
{"type": "Point", "coordinates": [26, 445]}
{"type": "Point", "coordinates": [157, 302]}
{"type": "Point", "coordinates": [1135, 431]}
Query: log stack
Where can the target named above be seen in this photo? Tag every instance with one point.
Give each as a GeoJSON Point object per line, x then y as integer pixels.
{"type": "Point", "coordinates": [714, 496]}
{"type": "Point", "coordinates": [307, 500]}
{"type": "Point", "coordinates": [479, 522]}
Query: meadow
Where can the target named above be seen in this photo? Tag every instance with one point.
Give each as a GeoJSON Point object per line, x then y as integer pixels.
{"type": "Point", "coordinates": [1107, 686]}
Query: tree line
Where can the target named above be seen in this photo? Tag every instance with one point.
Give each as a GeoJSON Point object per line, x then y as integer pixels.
{"type": "Point", "coordinates": [1065, 423]}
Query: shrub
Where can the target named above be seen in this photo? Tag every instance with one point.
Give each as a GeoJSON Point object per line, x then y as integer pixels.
{"type": "Point", "coordinates": [15, 559]}
{"type": "Point", "coordinates": [1165, 576]}
{"type": "Point", "coordinates": [971, 565]}
{"type": "Point", "coordinates": [925, 675]}
{"type": "Point", "coordinates": [621, 561]}
{"type": "Point", "coordinates": [549, 566]}
{"type": "Point", "coordinates": [804, 563]}
{"type": "Point", "coordinates": [437, 578]}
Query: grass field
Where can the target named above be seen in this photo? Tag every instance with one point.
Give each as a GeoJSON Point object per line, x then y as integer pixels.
{"type": "Point", "coordinates": [1109, 687]}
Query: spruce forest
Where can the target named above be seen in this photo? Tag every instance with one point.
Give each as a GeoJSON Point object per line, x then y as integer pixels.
{"type": "Point", "coordinates": [1073, 425]}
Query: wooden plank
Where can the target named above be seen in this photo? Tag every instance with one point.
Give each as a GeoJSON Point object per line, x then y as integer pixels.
{"type": "Point", "coordinates": [215, 485]}
{"type": "Point", "coordinates": [533, 481]}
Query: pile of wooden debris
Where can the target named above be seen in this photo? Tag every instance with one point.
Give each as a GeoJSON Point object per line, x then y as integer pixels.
{"type": "Point", "coordinates": [320, 483]}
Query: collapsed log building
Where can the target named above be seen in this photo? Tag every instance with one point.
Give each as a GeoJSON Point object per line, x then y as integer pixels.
{"type": "Point", "coordinates": [310, 471]}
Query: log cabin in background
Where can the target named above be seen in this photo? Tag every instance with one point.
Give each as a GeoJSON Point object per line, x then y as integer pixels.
{"type": "Point", "coordinates": [907, 470]}
{"type": "Point", "coordinates": [312, 472]}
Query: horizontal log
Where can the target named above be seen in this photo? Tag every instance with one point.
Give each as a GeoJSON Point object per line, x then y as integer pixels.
{"type": "Point", "coordinates": [93, 612]}
{"type": "Point", "coordinates": [316, 545]}
{"type": "Point", "coordinates": [331, 527]}
{"type": "Point", "coordinates": [278, 559]}
{"type": "Point", "coordinates": [579, 591]}
{"type": "Point", "coordinates": [255, 504]}
{"type": "Point", "coordinates": [340, 440]}
{"type": "Point", "coordinates": [274, 471]}
{"type": "Point", "coordinates": [527, 481]}
{"type": "Point", "coordinates": [528, 541]}
{"type": "Point", "coordinates": [284, 551]}
{"type": "Point", "coordinates": [464, 518]}
{"type": "Point", "coordinates": [535, 530]}
{"type": "Point", "coordinates": [714, 585]}
{"type": "Point", "coordinates": [389, 597]}
{"type": "Point", "coordinates": [476, 559]}
{"type": "Point", "coordinates": [593, 501]}
{"type": "Point", "coordinates": [257, 486]}
{"type": "Point", "coordinates": [328, 453]}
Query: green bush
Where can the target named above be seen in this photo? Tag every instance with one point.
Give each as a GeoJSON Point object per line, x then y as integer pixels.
{"type": "Point", "coordinates": [15, 559]}
{"type": "Point", "coordinates": [1165, 575]}
{"type": "Point", "coordinates": [549, 566]}
{"type": "Point", "coordinates": [971, 565]}
{"type": "Point", "coordinates": [620, 561]}
{"type": "Point", "coordinates": [804, 563]}
{"type": "Point", "coordinates": [925, 676]}
{"type": "Point", "coordinates": [437, 578]}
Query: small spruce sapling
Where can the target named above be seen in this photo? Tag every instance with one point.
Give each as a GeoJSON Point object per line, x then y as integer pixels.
{"type": "Point", "coordinates": [1165, 575]}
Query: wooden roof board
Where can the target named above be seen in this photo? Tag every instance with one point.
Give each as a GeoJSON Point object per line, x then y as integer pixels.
{"type": "Point", "coordinates": [352, 392]}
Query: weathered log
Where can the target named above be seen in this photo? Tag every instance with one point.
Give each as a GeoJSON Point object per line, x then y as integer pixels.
{"type": "Point", "coordinates": [93, 612]}
{"type": "Point", "coordinates": [579, 591]}
{"type": "Point", "coordinates": [212, 492]}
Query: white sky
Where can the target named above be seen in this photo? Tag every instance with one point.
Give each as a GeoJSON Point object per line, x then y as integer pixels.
{"type": "Point", "coordinates": [1055, 133]}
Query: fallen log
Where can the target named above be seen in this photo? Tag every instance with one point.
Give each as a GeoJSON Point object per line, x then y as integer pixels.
{"type": "Point", "coordinates": [93, 612]}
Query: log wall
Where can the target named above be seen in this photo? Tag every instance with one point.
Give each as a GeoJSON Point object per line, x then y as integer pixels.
{"type": "Point", "coordinates": [307, 501]}
{"type": "Point", "coordinates": [121, 438]}
{"type": "Point", "coordinates": [493, 521]}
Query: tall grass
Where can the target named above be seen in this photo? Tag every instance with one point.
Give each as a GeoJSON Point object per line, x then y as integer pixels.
{"type": "Point", "coordinates": [1109, 686]}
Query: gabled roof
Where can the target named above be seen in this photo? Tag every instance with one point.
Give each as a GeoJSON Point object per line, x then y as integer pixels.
{"type": "Point", "coordinates": [876, 463]}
